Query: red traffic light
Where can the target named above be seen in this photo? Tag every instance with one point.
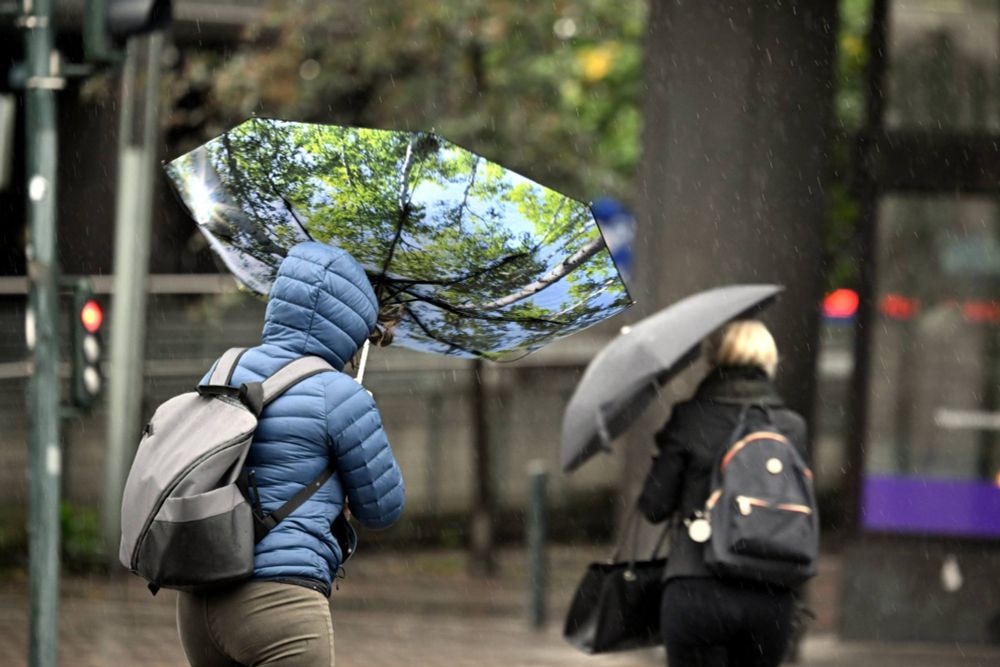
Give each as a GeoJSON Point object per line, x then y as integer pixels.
{"type": "Point", "coordinates": [840, 304]}
{"type": "Point", "coordinates": [92, 316]}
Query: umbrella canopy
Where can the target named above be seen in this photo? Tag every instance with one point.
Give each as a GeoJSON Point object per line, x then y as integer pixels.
{"type": "Point", "coordinates": [468, 258]}
{"type": "Point", "coordinates": [624, 377]}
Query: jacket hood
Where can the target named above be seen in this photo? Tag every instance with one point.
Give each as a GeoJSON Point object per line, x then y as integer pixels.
{"type": "Point", "coordinates": [320, 304]}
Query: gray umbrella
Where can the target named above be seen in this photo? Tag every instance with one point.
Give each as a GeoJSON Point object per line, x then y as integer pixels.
{"type": "Point", "coordinates": [624, 377]}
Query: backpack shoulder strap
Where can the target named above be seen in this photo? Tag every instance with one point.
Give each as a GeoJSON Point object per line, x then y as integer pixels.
{"type": "Point", "coordinates": [290, 375]}
{"type": "Point", "coordinates": [264, 525]}
{"type": "Point", "coordinates": [256, 395]}
{"type": "Point", "coordinates": [223, 373]}
{"type": "Point", "coordinates": [282, 380]}
{"type": "Point", "coordinates": [741, 422]}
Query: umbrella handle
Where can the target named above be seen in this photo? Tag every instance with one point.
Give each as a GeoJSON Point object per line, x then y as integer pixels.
{"type": "Point", "coordinates": [361, 365]}
{"type": "Point", "coordinates": [603, 434]}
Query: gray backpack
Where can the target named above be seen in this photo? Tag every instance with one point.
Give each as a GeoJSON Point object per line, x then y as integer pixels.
{"type": "Point", "coordinates": [190, 515]}
{"type": "Point", "coordinates": [762, 519]}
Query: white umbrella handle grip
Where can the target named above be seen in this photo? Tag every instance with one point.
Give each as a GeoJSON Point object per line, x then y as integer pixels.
{"type": "Point", "coordinates": [360, 377]}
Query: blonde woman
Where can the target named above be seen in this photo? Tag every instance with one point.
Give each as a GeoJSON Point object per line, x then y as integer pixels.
{"type": "Point", "coordinates": [706, 620]}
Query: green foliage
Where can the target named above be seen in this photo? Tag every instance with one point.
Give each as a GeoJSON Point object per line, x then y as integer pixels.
{"type": "Point", "coordinates": [843, 222]}
{"type": "Point", "coordinates": [549, 88]}
{"type": "Point", "coordinates": [81, 536]}
{"type": "Point", "coordinates": [852, 61]}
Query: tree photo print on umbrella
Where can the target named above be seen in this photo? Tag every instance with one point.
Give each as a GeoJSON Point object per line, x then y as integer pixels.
{"type": "Point", "coordinates": [468, 258]}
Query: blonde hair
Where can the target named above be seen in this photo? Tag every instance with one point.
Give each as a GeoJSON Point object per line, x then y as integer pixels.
{"type": "Point", "coordinates": [743, 343]}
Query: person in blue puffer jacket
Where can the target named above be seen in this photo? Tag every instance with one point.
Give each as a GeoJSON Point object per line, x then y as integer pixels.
{"type": "Point", "coordinates": [320, 304]}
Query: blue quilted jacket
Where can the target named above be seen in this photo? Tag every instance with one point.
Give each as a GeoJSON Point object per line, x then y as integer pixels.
{"type": "Point", "coordinates": [321, 304]}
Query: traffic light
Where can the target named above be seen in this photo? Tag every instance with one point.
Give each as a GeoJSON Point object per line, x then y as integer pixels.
{"type": "Point", "coordinates": [109, 23]}
{"type": "Point", "coordinates": [134, 17]}
{"type": "Point", "coordinates": [88, 348]}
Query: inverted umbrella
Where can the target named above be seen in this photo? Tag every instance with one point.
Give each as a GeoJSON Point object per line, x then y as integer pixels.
{"type": "Point", "coordinates": [624, 377]}
{"type": "Point", "coordinates": [467, 258]}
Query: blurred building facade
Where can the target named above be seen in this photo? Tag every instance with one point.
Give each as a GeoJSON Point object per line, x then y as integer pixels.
{"type": "Point", "coordinates": [427, 404]}
{"type": "Point", "coordinates": [924, 446]}
{"type": "Point", "coordinates": [907, 408]}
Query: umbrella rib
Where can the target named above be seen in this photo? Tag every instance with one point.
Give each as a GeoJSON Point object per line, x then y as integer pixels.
{"type": "Point", "coordinates": [468, 188]}
{"type": "Point", "coordinates": [534, 249]}
{"type": "Point", "coordinates": [404, 210]}
{"type": "Point", "coordinates": [240, 186]}
{"type": "Point", "coordinates": [347, 169]}
{"type": "Point", "coordinates": [275, 191]}
{"type": "Point", "coordinates": [488, 269]}
{"type": "Point", "coordinates": [433, 336]}
{"type": "Point", "coordinates": [295, 217]}
{"type": "Point", "coordinates": [392, 249]}
{"type": "Point", "coordinates": [471, 314]}
{"type": "Point", "coordinates": [245, 194]}
{"type": "Point", "coordinates": [474, 274]}
{"type": "Point", "coordinates": [560, 271]}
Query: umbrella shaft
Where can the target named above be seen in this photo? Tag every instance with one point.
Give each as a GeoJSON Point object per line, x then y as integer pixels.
{"type": "Point", "coordinates": [360, 377]}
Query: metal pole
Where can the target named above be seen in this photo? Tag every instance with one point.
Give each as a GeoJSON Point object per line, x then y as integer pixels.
{"type": "Point", "coordinates": [96, 46]}
{"type": "Point", "coordinates": [435, 434]}
{"type": "Point", "coordinates": [137, 154]}
{"type": "Point", "coordinates": [483, 561]}
{"type": "Point", "coordinates": [865, 323]}
{"type": "Point", "coordinates": [45, 455]}
{"type": "Point", "coordinates": [537, 476]}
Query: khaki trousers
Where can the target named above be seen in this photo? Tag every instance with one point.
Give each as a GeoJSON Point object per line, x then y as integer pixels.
{"type": "Point", "coordinates": [256, 623]}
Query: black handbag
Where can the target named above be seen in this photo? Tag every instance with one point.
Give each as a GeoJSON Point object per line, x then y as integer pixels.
{"type": "Point", "coordinates": [616, 607]}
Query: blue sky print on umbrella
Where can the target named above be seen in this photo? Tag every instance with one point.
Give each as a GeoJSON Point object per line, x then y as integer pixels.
{"type": "Point", "coordinates": [468, 258]}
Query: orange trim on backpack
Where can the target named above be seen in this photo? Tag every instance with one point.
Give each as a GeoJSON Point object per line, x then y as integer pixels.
{"type": "Point", "coordinates": [759, 435]}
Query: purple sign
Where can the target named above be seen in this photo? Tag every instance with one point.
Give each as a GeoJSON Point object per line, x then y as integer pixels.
{"type": "Point", "coordinates": [931, 506]}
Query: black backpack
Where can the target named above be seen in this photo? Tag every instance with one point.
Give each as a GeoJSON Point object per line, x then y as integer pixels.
{"type": "Point", "coordinates": [762, 519]}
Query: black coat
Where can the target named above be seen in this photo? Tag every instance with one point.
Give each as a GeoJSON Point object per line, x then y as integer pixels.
{"type": "Point", "coordinates": [690, 444]}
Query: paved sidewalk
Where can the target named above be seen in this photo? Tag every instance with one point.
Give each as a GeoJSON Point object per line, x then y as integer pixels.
{"type": "Point", "coordinates": [414, 609]}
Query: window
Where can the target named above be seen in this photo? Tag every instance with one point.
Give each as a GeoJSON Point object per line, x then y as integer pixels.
{"type": "Point", "coordinates": [944, 65]}
{"type": "Point", "coordinates": [933, 443]}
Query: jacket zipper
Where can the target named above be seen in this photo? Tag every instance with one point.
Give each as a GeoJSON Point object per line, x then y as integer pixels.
{"type": "Point", "coordinates": [747, 503]}
{"type": "Point", "coordinates": [166, 493]}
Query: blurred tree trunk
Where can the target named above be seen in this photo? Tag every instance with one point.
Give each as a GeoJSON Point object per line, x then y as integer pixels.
{"type": "Point", "coordinates": [738, 106]}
